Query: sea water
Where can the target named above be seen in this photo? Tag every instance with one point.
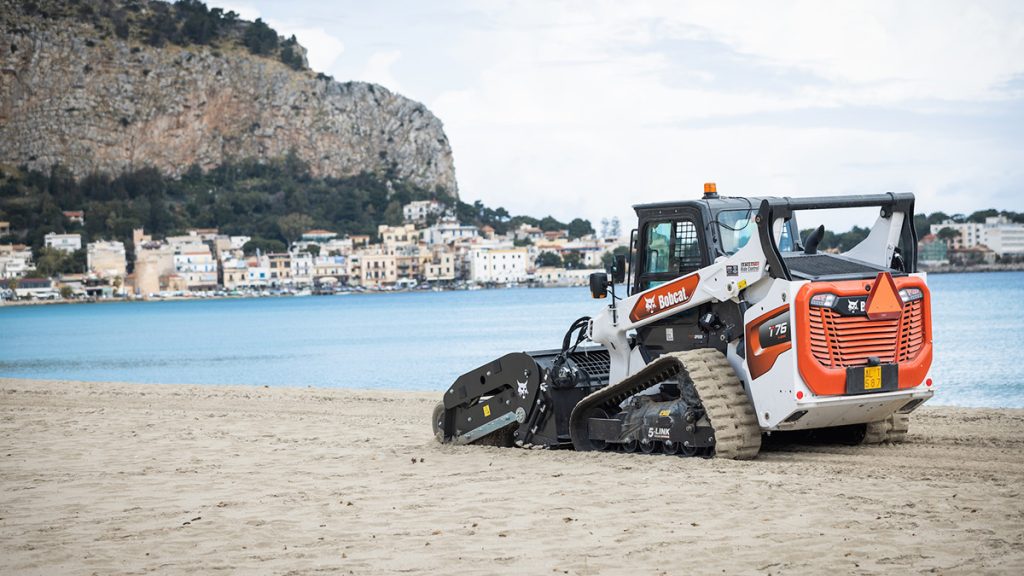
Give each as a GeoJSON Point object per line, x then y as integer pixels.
{"type": "Point", "coordinates": [424, 340]}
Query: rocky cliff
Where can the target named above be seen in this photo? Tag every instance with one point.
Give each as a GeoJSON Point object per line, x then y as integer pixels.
{"type": "Point", "coordinates": [93, 95]}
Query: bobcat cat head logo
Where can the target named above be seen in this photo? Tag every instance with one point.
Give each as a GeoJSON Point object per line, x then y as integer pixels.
{"type": "Point", "coordinates": [649, 304]}
{"type": "Point", "coordinates": [523, 392]}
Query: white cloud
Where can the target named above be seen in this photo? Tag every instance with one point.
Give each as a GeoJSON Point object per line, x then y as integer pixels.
{"type": "Point", "coordinates": [579, 108]}
{"type": "Point", "coordinates": [378, 69]}
{"type": "Point", "coordinates": [245, 10]}
{"type": "Point", "coordinates": [322, 48]}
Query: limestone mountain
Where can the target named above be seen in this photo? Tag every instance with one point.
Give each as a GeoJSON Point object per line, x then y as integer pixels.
{"type": "Point", "coordinates": [113, 85]}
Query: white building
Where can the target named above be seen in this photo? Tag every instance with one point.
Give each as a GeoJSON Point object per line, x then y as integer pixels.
{"type": "Point", "coordinates": [449, 231]}
{"type": "Point", "coordinates": [14, 263]}
{"type": "Point", "coordinates": [258, 271]}
{"type": "Point", "coordinates": [997, 233]}
{"type": "Point", "coordinates": [498, 265]}
{"type": "Point", "coordinates": [552, 276]}
{"type": "Point", "coordinates": [235, 273]}
{"type": "Point", "coordinates": [1003, 236]}
{"type": "Point", "coordinates": [417, 212]}
{"type": "Point", "coordinates": [302, 268]}
{"type": "Point", "coordinates": [195, 263]}
{"type": "Point", "coordinates": [325, 267]}
{"type": "Point", "coordinates": [63, 242]}
{"type": "Point", "coordinates": [238, 242]}
{"type": "Point", "coordinates": [106, 259]}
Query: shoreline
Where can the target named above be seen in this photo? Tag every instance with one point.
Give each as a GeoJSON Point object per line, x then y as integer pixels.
{"type": "Point", "coordinates": [985, 269]}
{"type": "Point", "coordinates": [271, 296]}
{"type": "Point", "coordinates": [131, 478]}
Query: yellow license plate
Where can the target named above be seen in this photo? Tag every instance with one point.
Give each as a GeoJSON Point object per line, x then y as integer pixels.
{"type": "Point", "coordinates": [872, 377]}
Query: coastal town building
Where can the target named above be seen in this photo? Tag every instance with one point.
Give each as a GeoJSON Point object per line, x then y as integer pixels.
{"type": "Point", "coordinates": [195, 263]}
{"type": "Point", "coordinates": [379, 269]}
{"type": "Point", "coordinates": [556, 276]}
{"type": "Point", "coordinates": [398, 235]}
{"type": "Point", "coordinates": [234, 273]}
{"type": "Point", "coordinates": [329, 270]}
{"type": "Point", "coordinates": [498, 265]}
{"type": "Point", "coordinates": [106, 259]}
{"type": "Point", "coordinates": [280, 265]}
{"type": "Point", "coordinates": [931, 251]}
{"type": "Point", "coordinates": [154, 263]}
{"type": "Point", "coordinates": [997, 233]}
{"type": "Point", "coordinates": [419, 211]}
{"type": "Point", "coordinates": [74, 217]}
{"type": "Point", "coordinates": [448, 231]}
{"type": "Point", "coordinates": [63, 242]}
{"type": "Point", "coordinates": [318, 235]}
{"type": "Point", "coordinates": [257, 271]}
{"type": "Point", "coordinates": [443, 253]}
{"type": "Point", "coordinates": [439, 267]}
{"type": "Point", "coordinates": [15, 261]}
{"type": "Point", "coordinates": [302, 268]}
{"type": "Point", "coordinates": [5, 228]}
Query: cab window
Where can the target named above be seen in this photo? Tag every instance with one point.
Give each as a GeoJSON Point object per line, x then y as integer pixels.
{"type": "Point", "coordinates": [673, 249]}
{"type": "Point", "coordinates": [659, 238]}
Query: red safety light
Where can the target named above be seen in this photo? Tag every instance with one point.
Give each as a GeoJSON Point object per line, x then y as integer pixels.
{"type": "Point", "coordinates": [928, 382]}
{"type": "Point", "coordinates": [799, 394]}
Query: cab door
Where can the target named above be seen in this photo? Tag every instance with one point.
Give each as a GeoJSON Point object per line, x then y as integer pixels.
{"type": "Point", "coordinates": [669, 246]}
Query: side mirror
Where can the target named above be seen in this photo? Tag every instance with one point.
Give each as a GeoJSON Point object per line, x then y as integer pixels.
{"type": "Point", "coordinates": [599, 285]}
{"type": "Point", "coordinates": [619, 269]}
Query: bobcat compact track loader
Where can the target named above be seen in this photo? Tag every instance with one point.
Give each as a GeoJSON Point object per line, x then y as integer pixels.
{"type": "Point", "coordinates": [733, 327]}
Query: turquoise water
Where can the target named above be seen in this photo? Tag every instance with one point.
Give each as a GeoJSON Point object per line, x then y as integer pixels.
{"type": "Point", "coordinates": [422, 341]}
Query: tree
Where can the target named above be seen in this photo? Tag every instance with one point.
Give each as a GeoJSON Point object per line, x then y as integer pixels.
{"type": "Point", "coordinates": [264, 245]}
{"type": "Point", "coordinates": [549, 259]}
{"type": "Point", "coordinates": [66, 292]}
{"type": "Point", "coordinates": [260, 38]}
{"type": "Point", "coordinates": [293, 225]}
{"type": "Point", "coordinates": [51, 262]}
{"type": "Point", "coordinates": [948, 235]}
{"type": "Point", "coordinates": [313, 249]}
{"type": "Point", "coordinates": [549, 224]}
{"type": "Point", "coordinates": [572, 260]}
{"type": "Point", "coordinates": [579, 227]}
{"type": "Point", "coordinates": [608, 258]}
{"type": "Point", "coordinates": [393, 214]}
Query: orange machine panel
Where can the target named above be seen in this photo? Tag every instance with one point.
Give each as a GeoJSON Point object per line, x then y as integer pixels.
{"type": "Point", "coordinates": [829, 340]}
{"type": "Point", "coordinates": [664, 297]}
{"type": "Point", "coordinates": [768, 336]}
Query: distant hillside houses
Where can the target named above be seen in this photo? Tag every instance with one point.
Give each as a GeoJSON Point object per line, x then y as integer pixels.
{"type": "Point", "coordinates": [430, 249]}
{"type": "Point", "coordinates": [969, 243]}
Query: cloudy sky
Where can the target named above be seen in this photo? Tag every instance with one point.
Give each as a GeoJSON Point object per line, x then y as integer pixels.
{"type": "Point", "coordinates": [585, 108]}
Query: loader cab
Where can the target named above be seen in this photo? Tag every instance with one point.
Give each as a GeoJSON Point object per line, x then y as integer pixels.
{"type": "Point", "coordinates": [673, 239]}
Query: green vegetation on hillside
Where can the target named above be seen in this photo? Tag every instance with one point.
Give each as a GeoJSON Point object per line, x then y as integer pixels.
{"type": "Point", "coordinates": [183, 23]}
{"type": "Point", "coordinates": [274, 202]}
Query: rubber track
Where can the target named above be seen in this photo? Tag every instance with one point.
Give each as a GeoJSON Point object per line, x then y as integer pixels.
{"type": "Point", "coordinates": [737, 434]}
{"type": "Point", "coordinates": [732, 416]}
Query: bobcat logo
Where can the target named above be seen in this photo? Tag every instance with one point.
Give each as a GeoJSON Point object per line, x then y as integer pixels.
{"type": "Point", "coordinates": [649, 304]}
{"type": "Point", "coordinates": [523, 392]}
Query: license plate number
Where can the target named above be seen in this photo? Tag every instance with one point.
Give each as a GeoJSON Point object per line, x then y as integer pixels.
{"type": "Point", "coordinates": [872, 377]}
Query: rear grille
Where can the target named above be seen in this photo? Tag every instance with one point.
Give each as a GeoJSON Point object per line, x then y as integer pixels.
{"type": "Point", "coordinates": [840, 341]}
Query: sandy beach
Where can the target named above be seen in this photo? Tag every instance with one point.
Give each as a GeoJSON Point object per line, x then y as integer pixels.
{"type": "Point", "coordinates": [101, 478]}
